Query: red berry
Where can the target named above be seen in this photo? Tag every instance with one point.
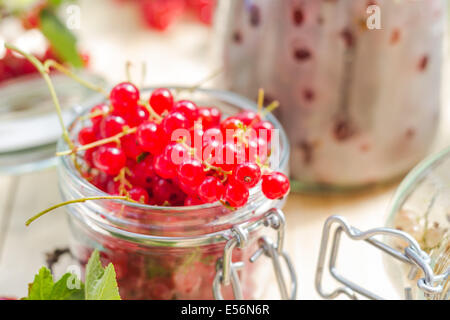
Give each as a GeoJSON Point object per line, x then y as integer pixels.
{"type": "Point", "coordinates": [236, 195]}
{"type": "Point", "coordinates": [142, 173]}
{"type": "Point", "coordinates": [161, 100]}
{"type": "Point", "coordinates": [130, 146]}
{"type": "Point", "coordinates": [139, 194]}
{"type": "Point", "coordinates": [111, 125]}
{"type": "Point", "coordinates": [151, 137]}
{"type": "Point", "coordinates": [164, 167]}
{"type": "Point", "coordinates": [124, 97]}
{"type": "Point", "coordinates": [275, 185]}
{"type": "Point", "coordinates": [249, 117]}
{"type": "Point", "coordinates": [191, 172]}
{"type": "Point", "coordinates": [176, 153]}
{"type": "Point", "coordinates": [211, 190]}
{"type": "Point", "coordinates": [248, 174]}
{"type": "Point", "coordinates": [188, 109]}
{"type": "Point", "coordinates": [109, 159]}
{"type": "Point", "coordinates": [173, 121]}
{"type": "Point", "coordinates": [98, 113]}
{"type": "Point", "coordinates": [137, 116]}
{"type": "Point", "coordinates": [264, 128]}
{"type": "Point", "coordinates": [232, 155]}
{"type": "Point", "coordinates": [166, 191]}
{"type": "Point", "coordinates": [231, 123]}
{"type": "Point", "coordinates": [160, 14]}
{"type": "Point", "coordinates": [87, 135]}
{"type": "Point", "coordinates": [192, 201]}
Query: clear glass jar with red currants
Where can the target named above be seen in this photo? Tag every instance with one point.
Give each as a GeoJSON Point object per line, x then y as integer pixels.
{"type": "Point", "coordinates": [177, 247]}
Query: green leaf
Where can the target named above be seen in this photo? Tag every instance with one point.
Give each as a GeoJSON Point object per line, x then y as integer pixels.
{"type": "Point", "coordinates": [42, 286]}
{"type": "Point", "coordinates": [69, 287]}
{"type": "Point", "coordinates": [100, 283]}
{"type": "Point", "coordinates": [61, 39]}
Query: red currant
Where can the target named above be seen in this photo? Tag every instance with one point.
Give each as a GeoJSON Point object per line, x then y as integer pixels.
{"type": "Point", "coordinates": [173, 121]}
{"type": "Point", "coordinates": [188, 109]}
{"type": "Point", "coordinates": [264, 128]}
{"type": "Point", "coordinates": [191, 172]}
{"type": "Point", "coordinates": [161, 100]}
{"type": "Point", "coordinates": [130, 146]}
{"type": "Point", "coordinates": [164, 167]}
{"type": "Point", "coordinates": [151, 137]}
{"type": "Point", "coordinates": [248, 174]}
{"type": "Point", "coordinates": [249, 117]}
{"type": "Point", "coordinates": [192, 201]}
{"type": "Point", "coordinates": [142, 173]}
{"type": "Point", "coordinates": [124, 97]}
{"type": "Point", "coordinates": [87, 135]}
{"type": "Point", "coordinates": [139, 194]}
{"type": "Point", "coordinates": [109, 159]}
{"type": "Point", "coordinates": [176, 153]}
{"type": "Point", "coordinates": [211, 190]}
{"type": "Point", "coordinates": [98, 113]}
{"type": "Point", "coordinates": [231, 123]}
{"type": "Point", "coordinates": [111, 125]}
{"type": "Point", "coordinates": [275, 185]}
{"type": "Point", "coordinates": [236, 195]}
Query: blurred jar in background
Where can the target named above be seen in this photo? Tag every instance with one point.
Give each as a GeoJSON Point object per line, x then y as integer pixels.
{"type": "Point", "coordinates": [360, 105]}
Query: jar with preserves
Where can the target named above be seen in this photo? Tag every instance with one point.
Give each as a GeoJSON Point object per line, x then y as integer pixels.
{"type": "Point", "coordinates": [359, 82]}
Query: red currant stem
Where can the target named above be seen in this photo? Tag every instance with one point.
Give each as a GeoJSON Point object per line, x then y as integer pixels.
{"type": "Point", "coordinates": [260, 100]}
{"type": "Point", "coordinates": [128, 65]}
{"type": "Point", "coordinates": [40, 67]}
{"type": "Point", "coordinates": [123, 182]}
{"type": "Point", "coordinates": [62, 204]}
{"type": "Point", "coordinates": [143, 74]}
{"type": "Point", "coordinates": [126, 131]}
{"type": "Point", "coordinates": [226, 205]}
{"type": "Point", "coordinates": [94, 114]}
{"type": "Point", "coordinates": [152, 112]}
{"type": "Point", "coordinates": [270, 108]}
{"type": "Point", "coordinates": [48, 64]}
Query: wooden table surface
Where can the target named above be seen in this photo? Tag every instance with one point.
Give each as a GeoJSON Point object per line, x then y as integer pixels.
{"type": "Point", "coordinates": [180, 56]}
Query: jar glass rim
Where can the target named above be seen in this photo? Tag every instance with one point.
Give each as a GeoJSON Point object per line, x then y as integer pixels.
{"type": "Point", "coordinates": [234, 100]}
{"type": "Point", "coordinates": [409, 182]}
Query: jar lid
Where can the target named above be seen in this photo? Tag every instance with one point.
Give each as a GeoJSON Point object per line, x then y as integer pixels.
{"type": "Point", "coordinates": [29, 125]}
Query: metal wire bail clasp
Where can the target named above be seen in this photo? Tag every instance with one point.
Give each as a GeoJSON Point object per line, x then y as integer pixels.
{"type": "Point", "coordinates": [226, 273]}
{"type": "Point", "coordinates": [412, 255]}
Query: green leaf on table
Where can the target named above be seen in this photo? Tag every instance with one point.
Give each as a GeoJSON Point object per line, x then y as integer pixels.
{"type": "Point", "coordinates": [43, 287]}
{"type": "Point", "coordinates": [61, 290]}
{"type": "Point", "coordinates": [62, 40]}
{"type": "Point", "coordinates": [100, 282]}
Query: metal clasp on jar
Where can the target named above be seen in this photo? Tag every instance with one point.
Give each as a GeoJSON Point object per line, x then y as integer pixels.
{"type": "Point", "coordinates": [413, 255]}
{"type": "Point", "coordinates": [226, 273]}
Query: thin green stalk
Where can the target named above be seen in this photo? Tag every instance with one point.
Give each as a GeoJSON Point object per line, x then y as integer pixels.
{"type": "Point", "coordinates": [40, 214]}
{"type": "Point", "coordinates": [43, 71]}
{"type": "Point", "coordinates": [98, 143]}
{"type": "Point", "coordinates": [53, 64]}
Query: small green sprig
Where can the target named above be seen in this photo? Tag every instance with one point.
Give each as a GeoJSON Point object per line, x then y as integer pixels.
{"type": "Point", "coordinates": [100, 284]}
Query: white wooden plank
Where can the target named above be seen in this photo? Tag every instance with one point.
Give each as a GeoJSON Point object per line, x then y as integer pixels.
{"type": "Point", "coordinates": [24, 248]}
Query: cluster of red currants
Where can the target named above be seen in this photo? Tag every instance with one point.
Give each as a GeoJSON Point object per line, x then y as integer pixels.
{"type": "Point", "coordinates": [13, 66]}
{"type": "Point", "coordinates": [160, 14]}
{"type": "Point", "coordinates": [131, 144]}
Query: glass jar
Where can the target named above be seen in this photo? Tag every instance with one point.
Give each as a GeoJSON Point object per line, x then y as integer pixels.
{"type": "Point", "coordinates": [416, 237]}
{"type": "Point", "coordinates": [421, 208]}
{"type": "Point", "coordinates": [181, 252]}
{"type": "Point", "coordinates": [359, 105]}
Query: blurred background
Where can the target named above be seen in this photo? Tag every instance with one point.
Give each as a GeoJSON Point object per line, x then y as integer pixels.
{"type": "Point", "coordinates": [363, 95]}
